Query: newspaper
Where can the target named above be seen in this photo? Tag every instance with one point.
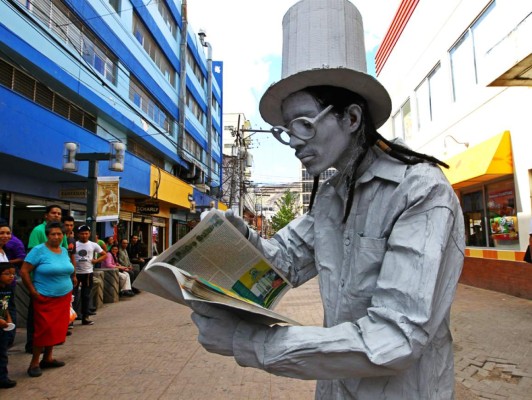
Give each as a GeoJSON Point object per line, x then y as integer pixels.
{"type": "Point", "coordinates": [215, 263]}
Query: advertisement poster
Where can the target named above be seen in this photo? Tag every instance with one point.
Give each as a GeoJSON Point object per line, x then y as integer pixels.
{"type": "Point", "coordinates": [108, 202]}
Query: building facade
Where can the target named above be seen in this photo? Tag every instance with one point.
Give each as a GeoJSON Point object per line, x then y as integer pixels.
{"type": "Point", "coordinates": [98, 72]}
{"type": "Point", "coordinates": [464, 96]}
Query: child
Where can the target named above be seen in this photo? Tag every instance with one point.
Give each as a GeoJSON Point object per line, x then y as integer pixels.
{"type": "Point", "coordinates": [7, 275]}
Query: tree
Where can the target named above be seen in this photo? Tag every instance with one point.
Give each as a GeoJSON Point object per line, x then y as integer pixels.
{"type": "Point", "coordinates": [288, 207]}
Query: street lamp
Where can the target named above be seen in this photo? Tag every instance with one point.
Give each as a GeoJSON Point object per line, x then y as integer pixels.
{"type": "Point", "coordinates": [71, 156]}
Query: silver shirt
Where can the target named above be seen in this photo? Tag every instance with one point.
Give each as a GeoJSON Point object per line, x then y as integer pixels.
{"type": "Point", "coordinates": [387, 280]}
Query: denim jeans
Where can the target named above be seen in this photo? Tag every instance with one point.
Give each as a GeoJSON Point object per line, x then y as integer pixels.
{"type": "Point", "coordinates": [82, 294]}
{"type": "Point", "coordinates": [4, 342]}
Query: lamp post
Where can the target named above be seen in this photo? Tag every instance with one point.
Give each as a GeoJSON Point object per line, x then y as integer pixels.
{"type": "Point", "coordinates": [71, 156]}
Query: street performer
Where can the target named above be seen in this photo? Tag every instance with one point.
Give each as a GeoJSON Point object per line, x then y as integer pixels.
{"type": "Point", "coordinates": [384, 235]}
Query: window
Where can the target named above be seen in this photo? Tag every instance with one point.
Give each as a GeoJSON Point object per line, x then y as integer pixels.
{"type": "Point", "coordinates": [192, 147]}
{"type": "Point", "coordinates": [142, 99]}
{"type": "Point", "coordinates": [141, 151]}
{"type": "Point", "coordinates": [64, 23]}
{"type": "Point", "coordinates": [147, 41]}
{"type": "Point", "coordinates": [467, 55]}
{"type": "Point", "coordinates": [493, 204]}
{"type": "Point", "coordinates": [167, 17]}
{"type": "Point", "coordinates": [195, 68]}
{"type": "Point", "coordinates": [194, 106]}
{"type": "Point", "coordinates": [430, 95]}
{"type": "Point", "coordinates": [37, 92]}
{"type": "Point", "coordinates": [406, 112]}
{"type": "Point", "coordinates": [115, 4]}
{"type": "Point", "coordinates": [502, 214]}
{"type": "Point", "coordinates": [402, 122]}
{"type": "Point", "coordinates": [397, 125]}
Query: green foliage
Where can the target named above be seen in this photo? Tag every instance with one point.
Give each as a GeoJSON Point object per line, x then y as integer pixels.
{"type": "Point", "coordinates": [288, 207]}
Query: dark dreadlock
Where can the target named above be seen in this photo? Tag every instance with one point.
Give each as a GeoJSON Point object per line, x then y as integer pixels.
{"type": "Point", "coordinates": [341, 99]}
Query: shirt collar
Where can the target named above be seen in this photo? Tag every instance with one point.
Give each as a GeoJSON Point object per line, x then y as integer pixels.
{"type": "Point", "coordinates": [379, 164]}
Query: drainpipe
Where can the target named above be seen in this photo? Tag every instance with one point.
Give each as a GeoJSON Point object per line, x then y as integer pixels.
{"type": "Point", "coordinates": [202, 36]}
{"type": "Point", "coordinates": [182, 79]}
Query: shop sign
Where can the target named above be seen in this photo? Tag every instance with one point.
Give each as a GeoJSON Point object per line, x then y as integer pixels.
{"type": "Point", "coordinates": [152, 208]}
{"type": "Point", "coordinates": [73, 193]}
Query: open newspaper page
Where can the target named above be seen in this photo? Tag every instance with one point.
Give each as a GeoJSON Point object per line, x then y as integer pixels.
{"type": "Point", "coordinates": [214, 262]}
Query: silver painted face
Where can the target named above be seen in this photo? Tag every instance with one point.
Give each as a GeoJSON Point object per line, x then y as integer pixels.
{"type": "Point", "coordinates": [331, 137]}
{"type": "Point", "coordinates": [303, 128]}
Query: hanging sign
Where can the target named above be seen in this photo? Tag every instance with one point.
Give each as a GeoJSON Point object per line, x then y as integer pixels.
{"type": "Point", "coordinates": [151, 208]}
{"type": "Point", "coordinates": [108, 199]}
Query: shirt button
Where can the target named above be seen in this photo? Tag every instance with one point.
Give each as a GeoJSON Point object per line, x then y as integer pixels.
{"type": "Point", "coordinates": [347, 242]}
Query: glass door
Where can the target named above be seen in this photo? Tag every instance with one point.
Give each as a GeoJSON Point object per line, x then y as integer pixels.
{"type": "Point", "coordinates": [474, 219]}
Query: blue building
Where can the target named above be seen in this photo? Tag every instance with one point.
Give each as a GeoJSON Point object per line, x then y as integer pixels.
{"type": "Point", "coordinates": [95, 72]}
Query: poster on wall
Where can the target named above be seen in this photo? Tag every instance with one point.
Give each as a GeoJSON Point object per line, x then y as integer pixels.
{"type": "Point", "coordinates": [108, 203]}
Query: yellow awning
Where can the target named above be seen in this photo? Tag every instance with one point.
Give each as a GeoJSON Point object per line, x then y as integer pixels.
{"type": "Point", "coordinates": [488, 160]}
{"type": "Point", "coordinates": [169, 188]}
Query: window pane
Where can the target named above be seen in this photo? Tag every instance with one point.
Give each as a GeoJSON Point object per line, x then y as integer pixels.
{"type": "Point", "coordinates": [484, 36]}
{"type": "Point", "coordinates": [423, 104]}
{"type": "Point", "coordinates": [475, 229]}
{"type": "Point", "coordinates": [438, 93]}
{"type": "Point", "coordinates": [397, 126]}
{"type": "Point", "coordinates": [463, 67]}
{"type": "Point", "coordinates": [502, 214]}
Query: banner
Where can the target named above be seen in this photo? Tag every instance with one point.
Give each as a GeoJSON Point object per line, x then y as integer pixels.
{"type": "Point", "coordinates": [108, 199]}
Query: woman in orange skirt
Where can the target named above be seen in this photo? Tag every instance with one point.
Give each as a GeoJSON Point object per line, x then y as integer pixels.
{"type": "Point", "coordinates": [51, 291]}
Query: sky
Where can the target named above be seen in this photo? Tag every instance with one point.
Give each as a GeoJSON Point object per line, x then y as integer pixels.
{"type": "Point", "coordinates": [247, 36]}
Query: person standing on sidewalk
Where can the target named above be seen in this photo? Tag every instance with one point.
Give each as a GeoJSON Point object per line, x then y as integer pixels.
{"type": "Point", "coordinates": [85, 250]}
{"type": "Point", "coordinates": [13, 254]}
{"type": "Point", "coordinates": [384, 235]}
{"type": "Point", "coordinates": [53, 213]}
{"type": "Point", "coordinates": [7, 276]}
{"type": "Point", "coordinates": [48, 274]}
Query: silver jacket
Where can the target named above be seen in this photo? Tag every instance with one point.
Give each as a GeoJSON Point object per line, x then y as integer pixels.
{"type": "Point", "coordinates": [387, 280]}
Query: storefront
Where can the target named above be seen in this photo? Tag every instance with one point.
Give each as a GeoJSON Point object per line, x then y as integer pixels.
{"type": "Point", "coordinates": [25, 212]}
{"type": "Point", "coordinates": [483, 178]}
{"type": "Point", "coordinates": [485, 182]}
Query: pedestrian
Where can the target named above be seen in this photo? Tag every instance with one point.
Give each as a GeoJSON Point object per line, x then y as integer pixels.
{"type": "Point", "coordinates": [11, 255]}
{"type": "Point", "coordinates": [123, 259]}
{"type": "Point", "coordinates": [85, 261]}
{"type": "Point", "coordinates": [111, 261]}
{"type": "Point", "coordinates": [68, 224]}
{"type": "Point", "coordinates": [7, 276]}
{"type": "Point", "coordinates": [136, 252]}
{"type": "Point", "coordinates": [48, 274]}
{"type": "Point", "coordinates": [53, 213]}
{"type": "Point", "coordinates": [14, 248]}
{"type": "Point", "coordinates": [384, 235]}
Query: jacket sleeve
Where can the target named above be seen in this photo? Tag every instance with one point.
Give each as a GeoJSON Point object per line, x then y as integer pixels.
{"type": "Point", "coordinates": [413, 295]}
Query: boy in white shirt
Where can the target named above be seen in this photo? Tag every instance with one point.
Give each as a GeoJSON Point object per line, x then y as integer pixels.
{"type": "Point", "coordinates": [85, 250]}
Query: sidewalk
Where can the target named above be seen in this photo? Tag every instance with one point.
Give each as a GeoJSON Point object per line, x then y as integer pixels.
{"type": "Point", "coordinates": [145, 348]}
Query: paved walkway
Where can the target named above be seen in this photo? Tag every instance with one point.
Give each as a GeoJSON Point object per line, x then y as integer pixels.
{"type": "Point", "coordinates": [145, 348]}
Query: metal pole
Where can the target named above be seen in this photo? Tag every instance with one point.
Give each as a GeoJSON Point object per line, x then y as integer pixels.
{"type": "Point", "coordinates": [261, 217]}
{"type": "Point", "coordinates": [92, 196]}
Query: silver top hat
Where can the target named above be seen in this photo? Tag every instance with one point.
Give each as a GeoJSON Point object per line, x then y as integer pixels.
{"type": "Point", "coordinates": [323, 44]}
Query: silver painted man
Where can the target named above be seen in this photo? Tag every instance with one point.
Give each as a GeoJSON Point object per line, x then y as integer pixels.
{"type": "Point", "coordinates": [384, 235]}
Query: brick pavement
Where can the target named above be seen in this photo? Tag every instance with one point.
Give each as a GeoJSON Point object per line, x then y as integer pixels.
{"type": "Point", "coordinates": [145, 348]}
